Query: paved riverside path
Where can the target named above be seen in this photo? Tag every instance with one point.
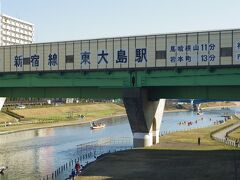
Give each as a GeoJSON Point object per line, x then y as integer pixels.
{"type": "Point", "coordinates": [221, 135]}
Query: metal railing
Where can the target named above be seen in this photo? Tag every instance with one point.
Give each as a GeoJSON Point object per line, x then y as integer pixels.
{"type": "Point", "coordinates": [89, 152]}
{"type": "Point", "coordinates": [227, 141]}
{"type": "Point", "coordinates": [163, 133]}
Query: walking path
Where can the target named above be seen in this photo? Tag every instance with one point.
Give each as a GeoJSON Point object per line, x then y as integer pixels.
{"type": "Point", "coordinates": [222, 135]}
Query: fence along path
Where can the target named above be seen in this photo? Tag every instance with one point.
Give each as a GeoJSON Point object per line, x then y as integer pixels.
{"type": "Point", "coordinates": [89, 152]}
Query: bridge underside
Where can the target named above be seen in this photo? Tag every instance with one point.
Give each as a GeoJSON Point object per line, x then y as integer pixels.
{"type": "Point", "coordinates": [177, 82]}
{"type": "Point", "coordinates": [155, 93]}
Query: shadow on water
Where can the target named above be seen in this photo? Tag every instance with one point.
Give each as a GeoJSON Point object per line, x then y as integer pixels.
{"type": "Point", "coordinates": [167, 164]}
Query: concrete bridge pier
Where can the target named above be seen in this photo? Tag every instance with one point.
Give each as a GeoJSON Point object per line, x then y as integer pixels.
{"type": "Point", "coordinates": [158, 120]}
{"type": "Point", "coordinates": [2, 100]}
{"type": "Point", "coordinates": [192, 104]}
{"type": "Point", "coordinates": [144, 116]}
{"type": "Point", "coordinates": [197, 107]}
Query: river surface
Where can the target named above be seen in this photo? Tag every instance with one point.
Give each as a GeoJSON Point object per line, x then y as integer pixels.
{"type": "Point", "coordinates": [33, 154]}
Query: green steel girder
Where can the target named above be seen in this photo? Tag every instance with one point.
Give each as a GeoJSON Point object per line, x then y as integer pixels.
{"type": "Point", "coordinates": [190, 77]}
{"type": "Point", "coordinates": [65, 79]}
{"type": "Point", "coordinates": [64, 92]}
{"type": "Point", "coordinates": [199, 82]}
{"type": "Point", "coordinates": [195, 92]}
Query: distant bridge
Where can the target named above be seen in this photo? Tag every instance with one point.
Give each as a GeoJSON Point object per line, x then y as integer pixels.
{"type": "Point", "coordinates": [199, 101]}
{"type": "Point", "coordinates": [196, 103]}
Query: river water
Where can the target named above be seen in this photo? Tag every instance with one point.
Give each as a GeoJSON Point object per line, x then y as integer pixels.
{"type": "Point", "coordinates": [33, 154]}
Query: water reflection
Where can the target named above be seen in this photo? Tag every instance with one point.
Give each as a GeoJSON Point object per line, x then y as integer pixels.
{"type": "Point", "coordinates": [35, 153]}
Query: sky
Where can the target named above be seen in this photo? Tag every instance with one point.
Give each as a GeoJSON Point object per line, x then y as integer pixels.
{"type": "Point", "coordinates": [59, 20]}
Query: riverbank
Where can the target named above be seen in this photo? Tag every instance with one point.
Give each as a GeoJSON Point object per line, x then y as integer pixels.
{"type": "Point", "coordinates": [209, 105]}
{"type": "Point", "coordinates": [177, 156]}
{"type": "Point", "coordinates": [188, 107]}
{"type": "Point", "coordinates": [62, 115]}
{"type": "Point", "coordinates": [176, 110]}
{"type": "Point", "coordinates": [27, 127]}
{"type": "Point", "coordinates": [96, 112]}
{"type": "Point", "coordinates": [67, 115]}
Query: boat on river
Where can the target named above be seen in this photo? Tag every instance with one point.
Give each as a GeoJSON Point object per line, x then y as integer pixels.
{"type": "Point", "coordinates": [97, 125]}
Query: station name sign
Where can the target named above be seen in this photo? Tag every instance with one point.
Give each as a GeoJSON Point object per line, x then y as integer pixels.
{"type": "Point", "coordinates": [185, 49]}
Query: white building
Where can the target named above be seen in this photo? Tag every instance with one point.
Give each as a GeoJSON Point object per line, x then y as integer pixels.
{"type": "Point", "coordinates": [15, 31]}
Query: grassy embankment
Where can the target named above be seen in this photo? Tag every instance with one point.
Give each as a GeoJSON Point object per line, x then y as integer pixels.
{"type": "Point", "coordinates": [187, 107]}
{"type": "Point", "coordinates": [5, 118]}
{"type": "Point", "coordinates": [177, 156]}
{"type": "Point", "coordinates": [61, 115]}
{"type": "Point", "coordinates": [217, 104]}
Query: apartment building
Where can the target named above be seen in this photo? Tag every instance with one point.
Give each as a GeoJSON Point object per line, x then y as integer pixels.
{"type": "Point", "coordinates": [15, 31]}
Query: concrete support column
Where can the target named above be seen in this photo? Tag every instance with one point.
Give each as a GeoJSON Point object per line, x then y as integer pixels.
{"type": "Point", "coordinates": [155, 136]}
{"type": "Point", "coordinates": [158, 120]}
{"type": "Point", "coordinates": [142, 139]}
{"type": "Point", "coordinates": [197, 107]}
{"type": "Point", "coordinates": [144, 116]}
{"type": "Point", "coordinates": [2, 100]}
{"type": "Point", "coordinates": [192, 104]}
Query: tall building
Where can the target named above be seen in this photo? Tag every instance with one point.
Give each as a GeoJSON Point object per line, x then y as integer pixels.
{"type": "Point", "coordinates": [15, 31]}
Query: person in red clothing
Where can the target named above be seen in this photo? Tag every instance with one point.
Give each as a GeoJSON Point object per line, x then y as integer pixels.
{"type": "Point", "coordinates": [78, 168]}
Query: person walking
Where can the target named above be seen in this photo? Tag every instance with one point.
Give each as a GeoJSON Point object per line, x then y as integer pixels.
{"type": "Point", "coordinates": [73, 174]}
{"type": "Point", "coordinates": [77, 168]}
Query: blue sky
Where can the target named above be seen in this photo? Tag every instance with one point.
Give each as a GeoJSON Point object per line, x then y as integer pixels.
{"type": "Point", "coordinates": [57, 20]}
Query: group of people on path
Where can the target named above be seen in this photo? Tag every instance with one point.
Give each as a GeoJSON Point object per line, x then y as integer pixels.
{"type": "Point", "coordinates": [75, 172]}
